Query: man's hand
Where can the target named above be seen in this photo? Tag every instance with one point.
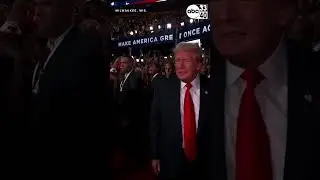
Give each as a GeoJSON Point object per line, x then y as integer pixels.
{"type": "Point", "coordinates": [156, 166]}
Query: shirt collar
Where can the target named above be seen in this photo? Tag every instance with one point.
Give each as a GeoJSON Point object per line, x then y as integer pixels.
{"type": "Point", "coordinates": [274, 68]}
{"type": "Point", "coordinates": [53, 42]}
{"type": "Point", "coordinates": [195, 83]}
{"type": "Point", "coordinates": [156, 74]}
{"type": "Point", "coordinates": [127, 74]}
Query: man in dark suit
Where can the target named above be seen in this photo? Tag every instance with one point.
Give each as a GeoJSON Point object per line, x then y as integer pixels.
{"type": "Point", "coordinates": [130, 100]}
{"type": "Point", "coordinates": [153, 70]}
{"type": "Point", "coordinates": [131, 82]}
{"type": "Point", "coordinates": [169, 69]}
{"type": "Point", "coordinates": [177, 113]}
{"type": "Point", "coordinates": [70, 113]}
{"type": "Point", "coordinates": [131, 79]}
{"type": "Point", "coordinates": [263, 98]}
{"type": "Point", "coordinates": [131, 85]}
{"type": "Point", "coordinates": [153, 78]}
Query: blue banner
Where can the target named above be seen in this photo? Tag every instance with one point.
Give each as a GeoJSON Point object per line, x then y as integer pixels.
{"type": "Point", "coordinates": [160, 38]}
{"type": "Point", "coordinates": [197, 31]}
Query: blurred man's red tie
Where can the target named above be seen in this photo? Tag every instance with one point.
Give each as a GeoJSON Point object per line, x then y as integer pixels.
{"type": "Point", "coordinates": [253, 157]}
{"type": "Point", "coordinates": [189, 129]}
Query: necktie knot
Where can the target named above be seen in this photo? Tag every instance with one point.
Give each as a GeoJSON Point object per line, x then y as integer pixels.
{"type": "Point", "coordinates": [188, 86]}
{"type": "Point", "coordinates": [253, 77]}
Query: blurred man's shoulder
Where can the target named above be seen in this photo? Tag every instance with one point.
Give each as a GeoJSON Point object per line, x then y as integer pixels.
{"type": "Point", "coordinates": [137, 74]}
{"type": "Point", "coordinates": [85, 38]}
{"type": "Point", "coordinates": [167, 82]}
{"type": "Point", "coordinates": [158, 78]}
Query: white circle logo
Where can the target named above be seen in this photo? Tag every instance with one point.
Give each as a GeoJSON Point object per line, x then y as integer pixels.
{"type": "Point", "coordinates": [193, 11]}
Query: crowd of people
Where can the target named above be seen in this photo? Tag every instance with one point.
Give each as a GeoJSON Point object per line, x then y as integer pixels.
{"type": "Point", "coordinates": [151, 66]}
{"type": "Point", "coordinates": [146, 24]}
{"type": "Point", "coordinates": [250, 113]}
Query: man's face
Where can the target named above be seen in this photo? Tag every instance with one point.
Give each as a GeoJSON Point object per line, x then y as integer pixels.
{"type": "Point", "coordinates": [246, 26]}
{"type": "Point", "coordinates": [187, 65]}
{"type": "Point", "coordinates": [125, 65]}
{"type": "Point", "coordinates": [50, 14]}
{"type": "Point", "coordinates": [168, 69]}
{"type": "Point", "coordinates": [152, 69]}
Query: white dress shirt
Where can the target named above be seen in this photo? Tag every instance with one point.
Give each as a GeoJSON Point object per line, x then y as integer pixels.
{"type": "Point", "coordinates": [52, 44]}
{"type": "Point", "coordinates": [271, 95]}
{"type": "Point", "coordinates": [195, 94]}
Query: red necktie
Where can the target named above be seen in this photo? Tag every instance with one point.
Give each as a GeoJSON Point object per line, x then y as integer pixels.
{"type": "Point", "coordinates": [189, 122]}
{"type": "Point", "coordinates": [253, 157]}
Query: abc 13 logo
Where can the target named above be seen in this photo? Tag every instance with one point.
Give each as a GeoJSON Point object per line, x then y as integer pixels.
{"type": "Point", "coordinates": [197, 11]}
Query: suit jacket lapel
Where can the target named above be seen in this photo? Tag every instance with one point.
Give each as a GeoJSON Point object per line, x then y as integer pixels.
{"type": "Point", "coordinates": [61, 52]}
{"type": "Point", "coordinates": [203, 102]}
{"type": "Point", "coordinates": [174, 106]}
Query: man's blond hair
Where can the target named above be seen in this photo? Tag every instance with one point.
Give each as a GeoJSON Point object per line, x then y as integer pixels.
{"type": "Point", "coordinates": [189, 47]}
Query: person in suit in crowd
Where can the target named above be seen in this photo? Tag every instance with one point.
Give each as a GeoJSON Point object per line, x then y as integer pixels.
{"type": "Point", "coordinates": [131, 80]}
{"type": "Point", "coordinates": [71, 111]}
{"type": "Point", "coordinates": [154, 74]}
{"type": "Point", "coordinates": [153, 70]}
{"type": "Point", "coordinates": [178, 110]}
{"type": "Point", "coordinates": [169, 69]}
{"type": "Point", "coordinates": [154, 77]}
{"type": "Point", "coordinates": [263, 96]}
{"type": "Point", "coordinates": [131, 83]}
{"type": "Point", "coordinates": [130, 101]}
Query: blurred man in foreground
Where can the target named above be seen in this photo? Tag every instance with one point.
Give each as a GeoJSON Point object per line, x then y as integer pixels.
{"type": "Point", "coordinates": [267, 128]}
{"type": "Point", "coordinates": [69, 87]}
